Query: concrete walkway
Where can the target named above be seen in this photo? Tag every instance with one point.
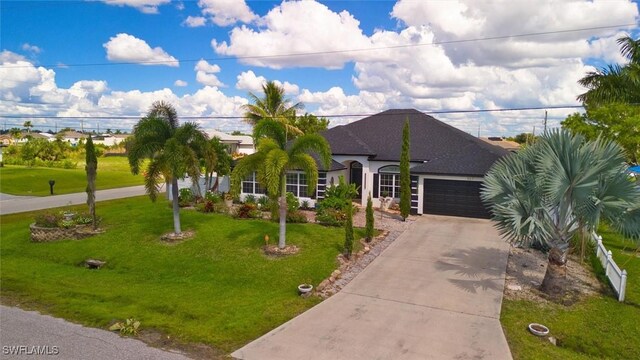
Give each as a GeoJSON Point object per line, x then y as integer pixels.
{"type": "Point", "coordinates": [18, 204]}
{"type": "Point", "coordinates": [435, 293]}
{"type": "Point", "coordinates": [30, 335]}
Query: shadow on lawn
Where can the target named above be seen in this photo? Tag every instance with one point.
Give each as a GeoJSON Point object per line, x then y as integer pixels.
{"type": "Point", "coordinates": [479, 265]}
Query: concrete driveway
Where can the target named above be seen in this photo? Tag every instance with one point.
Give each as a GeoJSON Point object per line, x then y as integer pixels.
{"type": "Point", "coordinates": [435, 293]}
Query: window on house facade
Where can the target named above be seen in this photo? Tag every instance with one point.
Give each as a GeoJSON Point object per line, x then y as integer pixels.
{"type": "Point", "coordinates": [390, 181]}
{"type": "Point", "coordinates": [250, 185]}
{"type": "Point", "coordinates": [297, 184]}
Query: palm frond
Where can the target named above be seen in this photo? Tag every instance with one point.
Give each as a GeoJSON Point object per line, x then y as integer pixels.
{"type": "Point", "coordinates": [307, 164]}
{"type": "Point", "coordinates": [152, 177]}
{"type": "Point", "coordinates": [164, 111]}
{"type": "Point", "coordinates": [245, 167]}
{"type": "Point", "coordinates": [313, 143]}
{"type": "Point", "coordinates": [275, 164]}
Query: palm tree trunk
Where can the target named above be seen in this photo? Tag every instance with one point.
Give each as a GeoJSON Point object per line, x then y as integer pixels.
{"type": "Point", "coordinates": [554, 283]}
{"type": "Point", "coordinates": [176, 206]}
{"type": "Point", "coordinates": [282, 242]}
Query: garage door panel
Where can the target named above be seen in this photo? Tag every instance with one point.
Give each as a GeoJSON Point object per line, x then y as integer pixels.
{"type": "Point", "coordinates": [455, 198]}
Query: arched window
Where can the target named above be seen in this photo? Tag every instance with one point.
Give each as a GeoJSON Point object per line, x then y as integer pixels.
{"type": "Point", "coordinates": [389, 181]}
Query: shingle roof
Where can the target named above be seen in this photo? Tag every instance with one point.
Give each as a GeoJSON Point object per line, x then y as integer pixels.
{"type": "Point", "coordinates": [442, 148]}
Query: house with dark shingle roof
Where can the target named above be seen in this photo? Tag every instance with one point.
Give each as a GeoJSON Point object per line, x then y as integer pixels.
{"type": "Point", "coordinates": [447, 164]}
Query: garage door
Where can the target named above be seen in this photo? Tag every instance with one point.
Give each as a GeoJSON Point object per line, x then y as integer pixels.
{"type": "Point", "coordinates": [455, 198]}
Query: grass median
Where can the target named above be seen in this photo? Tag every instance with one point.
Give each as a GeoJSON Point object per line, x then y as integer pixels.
{"type": "Point", "coordinates": [113, 172]}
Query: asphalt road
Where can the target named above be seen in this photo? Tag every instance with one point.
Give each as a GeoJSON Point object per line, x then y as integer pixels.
{"type": "Point", "coordinates": [30, 335]}
{"type": "Point", "coordinates": [16, 204]}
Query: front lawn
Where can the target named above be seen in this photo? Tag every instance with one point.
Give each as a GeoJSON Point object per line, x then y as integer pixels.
{"type": "Point", "coordinates": [113, 172]}
{"type": "Point", "coordinates": [216, 288]}
{"type": "Point", "coordinates": [597, 328]}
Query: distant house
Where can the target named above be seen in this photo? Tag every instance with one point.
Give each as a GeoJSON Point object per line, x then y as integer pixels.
{"type": "Point", "coordinates": [109, 139]}
{"type": "Point", "coordinates": [238, 144]}
{"type": "Point", "coordinates": [35, 135]}
{"type": "Point", "coordinates": [73, 137]}
{"type": "Point", "coordinates": [447, 164]}
{"type": "Point", "coordinates": [6, 140]}
{"type": "Point", "coordinates": [511, 146]}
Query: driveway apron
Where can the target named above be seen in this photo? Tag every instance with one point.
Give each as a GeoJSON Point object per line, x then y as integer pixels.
{"type": "Point", "coordinates": [435, 293]}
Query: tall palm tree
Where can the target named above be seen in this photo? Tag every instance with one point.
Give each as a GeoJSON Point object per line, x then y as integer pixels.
{"type": "Point", "coordinates": [275, 156]}
{"type": "Point", "coordinates": [173, 150]}
{"type": "Point", "coordinates": [615, 83]}
{"type": "Point", "coordinates": [275, 106]}
{"type": "Point", "coordinates": [560, 186]}
{"type": "Point", "coordinates": [28, 125]}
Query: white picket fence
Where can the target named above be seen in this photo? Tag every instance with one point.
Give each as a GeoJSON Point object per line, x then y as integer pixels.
{"type": "Point", "coordinates": [617, 277]}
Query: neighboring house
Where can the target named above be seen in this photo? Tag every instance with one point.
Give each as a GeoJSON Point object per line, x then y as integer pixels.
{"type": "Point", "coordinates": [511, 146]}
{"type": "Point", "coordinates": [109, 139]}
{"type": "Point", "coordinates": [238, 144]}
{"type": "Point", "coordinates": [447, 164]}
{"type": "Point", "coordinates": [73, 137]}
{"type": "Point", "coordinates": [35, 135]}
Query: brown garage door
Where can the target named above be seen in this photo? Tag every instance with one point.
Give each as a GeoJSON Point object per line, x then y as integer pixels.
{"type": "Point", "coordinates": [454, 198]}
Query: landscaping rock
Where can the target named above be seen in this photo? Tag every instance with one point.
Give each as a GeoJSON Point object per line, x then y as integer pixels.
{"type": "Point", "coordinates": [514, 287]}
{"type": "Point", "coordinates": [335, 274]}
{"type": "Point", "coordinates": [553, 340]}
{"type": "Point", "coordinates": [94, 264]}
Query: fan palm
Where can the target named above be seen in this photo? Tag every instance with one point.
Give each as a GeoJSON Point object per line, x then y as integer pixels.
{"type": "Point", "coordinates": [274, 157]}
{"type": "Point", "coordinates": [556, 188]}
{"type": "Point", "coordinates": [274, 106]}
{"type": "Point", "coordinates": [615, 83]}
{"type": "Point", "coordinates": [172, 149]}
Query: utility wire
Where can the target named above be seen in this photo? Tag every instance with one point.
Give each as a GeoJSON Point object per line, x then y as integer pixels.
{"type": "Point", "coordinates": [434, 43]}
{"type": "Point", "coordinates": [223, 117]}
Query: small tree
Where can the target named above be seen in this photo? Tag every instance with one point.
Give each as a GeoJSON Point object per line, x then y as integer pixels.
{"type": "Point", "coordinates": [348, 236]}
{"type": "Point", "coordinates": [405, 177]}
{"type": "Point", "coordinates": [91, 168]}
{"type": "Point", "coordinates": [369, 220]}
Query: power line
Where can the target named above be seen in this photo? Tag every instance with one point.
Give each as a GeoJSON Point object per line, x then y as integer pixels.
{"type": "Point", "coordinates": [231, 117]}
{"type": "Point", "coordinates": [224, 58]}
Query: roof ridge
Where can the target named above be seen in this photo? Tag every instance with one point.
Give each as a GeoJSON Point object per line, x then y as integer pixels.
{"type": "Point", "coordinates": [358, 140]}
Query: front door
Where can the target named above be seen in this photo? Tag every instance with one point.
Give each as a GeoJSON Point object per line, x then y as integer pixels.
{"type": "Point", "coordinates": [355, 177]}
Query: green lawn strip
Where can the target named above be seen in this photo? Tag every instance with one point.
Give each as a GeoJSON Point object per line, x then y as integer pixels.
{"type": "Point", "coordinates": [215, 288]}
{"type": "Point", "coordinates": [113, 172]}
{"type": "Point", "coordinates": [597, 328]}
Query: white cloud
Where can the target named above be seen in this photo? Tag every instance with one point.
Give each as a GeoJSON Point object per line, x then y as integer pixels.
{"type": "Point", "coordinates": [145, 6]}
{"type": "Point", "coordinates": [31, 48]}
{"type": "Point", "coordinates": [226, 12]}
{"type": "Point", "coordinates": [127, 48]}
{"type": "Point", "coordinates": [195, 21]}
{"type": "Point", "coordinates": [205, 73]}
{"type": "Point", "coordinates": [248, 80]}
{"type": "Point", "coordinates": [180, 83]}
{"type": "Point", "coordinates": [297, 27]}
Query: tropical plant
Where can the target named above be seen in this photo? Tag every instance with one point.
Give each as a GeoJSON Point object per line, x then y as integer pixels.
{"type": "Point", "coordinates": [28, 125]}
{"type": "Point", "coordinates": [172, 150]}
{"type": "Point", "coordinates": [91, 168]}
{"type": "Point", "coordinates": [405, 176]}
{"type": "Point", "coordinates": [218, 160]}
{"type": "Point", "coordinates": [274, 157]}
{"type": "Point", "coordinates": [128, 327]}
{"type": "Point", "coordinates": [615, 83]}
{"type": "Point", "coordinates": [332, 210]}
{"type": "Point", "coordinates": [368, 229]}
{"type": "Point", "coordinates": [273, 106]}
{"type": "Point", "coordinates": [558, 188]}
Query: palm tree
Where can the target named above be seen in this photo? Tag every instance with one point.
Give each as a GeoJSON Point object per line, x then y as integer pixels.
{"type": "Point", "coordinates": [557, 188]}
{"type": "Point", "coordinates": [28, 125]}
{"type": "Point", "coordinates": [172, 149]}
{"type": "Point", "coordinates": [274, 106]}
{"type": "Point", "coordinates": [615, 83]}
{"type": "Point", "coordinates": [275, 156]}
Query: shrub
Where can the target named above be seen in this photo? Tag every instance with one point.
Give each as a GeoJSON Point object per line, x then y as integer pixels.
{"type": "Point", "coordinates": [48, 220]}
{"type": "Point", "coordinates": [185, 197]}
{"type": "Point", "coordinates": [296, 217]}
{"type": "Point", "coordinates": [348, 236]}
{"type": "Point", "coordinates": [213, 197]}
{"type": "Point", "coordinates": [331, 217]}
{"type": "Point", "coordinates": [248, 211]}
{"type": "Point", "coordinates": [264, 203]}
{"type": "Point", "coordinates": [250, 199]}
{"type": "Point", "coordinates": [368, 230]}
{"type": "Point", "coordinates": [305, 205]}
{"type": "Point", "coordinates": [293, 203]}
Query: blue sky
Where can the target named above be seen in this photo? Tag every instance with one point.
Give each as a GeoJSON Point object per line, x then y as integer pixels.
{"type": "Point", "coordinates": [59, 58]}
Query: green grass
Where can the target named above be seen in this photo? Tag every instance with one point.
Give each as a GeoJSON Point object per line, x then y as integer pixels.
{"type": "Point", "coordinates": [597, 328]}
{"type": "Point", "coordinates": [216, 288]}
{"type": "Point", "coordinates": [113, 172]}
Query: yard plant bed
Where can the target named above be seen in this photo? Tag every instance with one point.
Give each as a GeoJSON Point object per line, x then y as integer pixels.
{"type": "Point", "coordinates": [593, 325]}
{"type": "Point", "coordinates": [217, 289]}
